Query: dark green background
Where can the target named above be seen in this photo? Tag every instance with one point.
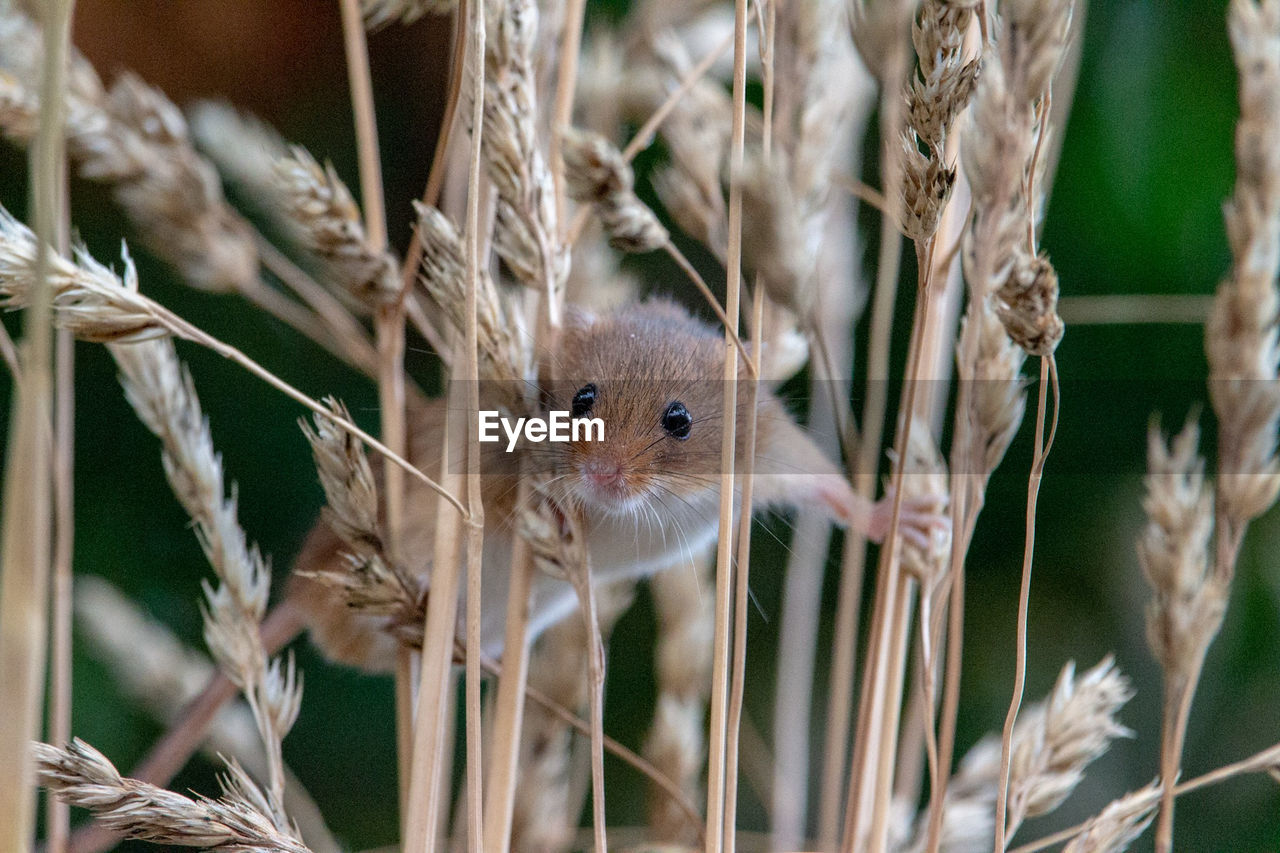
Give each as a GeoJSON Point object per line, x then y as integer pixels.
{"type": "Point", "coordinates": [1136, 208]}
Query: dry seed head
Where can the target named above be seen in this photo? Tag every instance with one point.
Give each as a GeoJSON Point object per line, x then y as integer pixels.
{"type": "Point", "coordinates": [1188, 602]}
{"type": "Point", "coordinates": [696, 133]}
{"type": "Point", "coordinates": [1027, 304]}
{"type": "Point", "coordinates": [945, 81]}
{"type": "Point", "coordinates": [171, 194]}
{"type": "Point", "coordinates": [1240, 338]}
{"type": "Point", "coordinates": [773, 244]}
{"type": "Point", "coordinates": [699, 214]}
{"type": "Point", "coordinates": [160, 390]}
{"type": "Point", "coordinates": [1041, 29]}
{"type": "Point", "coordinates": [598, 174]}
{"type": "Point", "coordinates": [1117, 826]}
{"type": "Point", "coordinates": [1055, 740]}
{"type": "Point", "coordinates": [89, 299]}
{"type": "Point", "coordinates": [351, 493]}
{"type": "Point", "coordinates": [926, 187]}
{"type": "Point", "coordinates": [244, 149]}
{"type": "Point", "coordinates": [502, 355]}
{"type": "Point", "coordinates": [239, 820]}
{"type": "Point", "coordinates": [998, 398]}
{"type": "Point", "coordinates": [525, 226]}
{"type": "Point", "coordinates": [326, 220]}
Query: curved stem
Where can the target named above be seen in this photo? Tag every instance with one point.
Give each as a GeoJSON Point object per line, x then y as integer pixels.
{"type": "Point", "coordinates": [1048, 376]}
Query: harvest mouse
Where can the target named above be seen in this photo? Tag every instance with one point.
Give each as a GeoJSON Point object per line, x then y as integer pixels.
{"type": "Point", "coordinates": [648, 491]}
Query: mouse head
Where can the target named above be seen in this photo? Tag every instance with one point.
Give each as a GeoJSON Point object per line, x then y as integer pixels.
{"type": "Point", "coordinates": [652, 375]}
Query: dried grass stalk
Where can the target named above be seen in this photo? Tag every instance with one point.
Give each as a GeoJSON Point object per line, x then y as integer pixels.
{"type": "Point", "coordinates": [326, 220]}
{"type": "Point", "coordinates": [1186, 610]}
{"type": "Point", "coordinates": [239, 820]}
{"type": "Point", "coordinates": [162, 394]}
{"type": "Point", "coordinates": [97, 305]}
{"type": "Point", "coordinates": [526, 227]}
{"type": "Point", "coordinates": [1054, 741]}
{"type": "Point", "coordinates": [134, 139]}
{"type": "Point", "coordinates": [1240, 338]}
{"type": "Point", "coordinates": [596, 173]}
{"type": "Point", "coordinates": [1118, 825]}
{"type": "Point", "coordinates": [162, 675]}
{"type": "Point", "coordinates": [503, 356]}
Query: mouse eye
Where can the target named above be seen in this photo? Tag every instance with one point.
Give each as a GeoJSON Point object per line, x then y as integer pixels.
{"type": "Point", "coordinates": [583, 401]}
{"type": "Point", "coordinates": [677, 421]}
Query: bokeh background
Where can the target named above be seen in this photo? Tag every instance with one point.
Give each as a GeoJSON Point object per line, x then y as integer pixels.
{"type": "Point", "coordinates": [1136, 209]}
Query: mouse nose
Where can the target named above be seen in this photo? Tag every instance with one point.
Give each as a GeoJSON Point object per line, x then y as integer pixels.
{"type": "Point", "coordinates": [603, 472]}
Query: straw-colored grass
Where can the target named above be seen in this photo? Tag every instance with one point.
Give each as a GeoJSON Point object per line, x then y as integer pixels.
{"type": "Point", "coordinates": [558, 133]}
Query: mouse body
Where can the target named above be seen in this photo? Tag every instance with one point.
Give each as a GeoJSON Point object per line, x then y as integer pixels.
{"type": "Point", "coordinates": [647, 491]}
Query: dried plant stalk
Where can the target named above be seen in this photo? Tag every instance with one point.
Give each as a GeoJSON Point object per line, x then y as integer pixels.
{"type": "Point", "coordinates": [96, 305]}
{"type": "Point", "coordinates": [26, 526]}
{"type": "Point", "coordinates": [162, 394]}
{"type": "Point", "coordinates": [238, 820]}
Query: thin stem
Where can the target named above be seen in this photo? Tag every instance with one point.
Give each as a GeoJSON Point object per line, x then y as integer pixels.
{"type": "Point", "coordinates": [182, 329]}
{"type": "Point", "coordinates": [439, 157]}
{"type": "Point", "coordinates": [853, 565]}
{"type": "Point", "coordinates": [681, 261]}
{"type": "Point", "coordinates": [562, 106]}
{"type": "Point", "coordinates": [512, 686]}
{"type": "Point", "coordinates": [371, 189]}
{"type": "Point", "coordinates": [58, 814]}
{"type": "Point", "coordinates": [716, 741]}
{"type": "Point", "coordinates": [580, 576]}
{"type": "Point", "coordinates": [741, 581]}
{"type": "Point", "coordinates": [26, 526]}
{"type": "Point", "coordinates": [475, 503]}
{"type": "Point", "coordinates": [1047, 373]}
{"type": "Point", "coordinates": [342, 333]}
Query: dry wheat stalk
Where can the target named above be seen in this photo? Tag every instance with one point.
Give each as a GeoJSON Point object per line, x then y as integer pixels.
{"type": "Point", "coordinates": [325, 219]}
{"type": "Point", "coordinates": [596, 173]}
{"type": "Point", "coordinates": [1118, 825]}
{"type": "Point", "coordinates": [240, 821]}
{"type": "Point", "coordinates": [1053, 742]}
{"type": "Point", "coordinates": [1240, 338]}
{"type": "Point", "coordinates": [163, 674]}
{"type": "Point", "coordinates": [1186, 610]}
{"type": "Point", "coordinates": [97, 305]}
{"type": "Point", "coordinates": [503, 356]}
{"type": "Point", "coordinates": [526, 227]}
{"type": "Point", "coordinates": [371, 580]}
{"type": "Point", "coordinates": [695, 134]}
{"type": "Point", "coordinates": [161, 392]}
{"type": "Point", "coordinates": [935, 98]}
{"type": "Point", "coordinates": [134, 139]}
{"type": "Point", "coordinates": [37, 475]}
{"type": "Point", "coordinates": [1240, 341]}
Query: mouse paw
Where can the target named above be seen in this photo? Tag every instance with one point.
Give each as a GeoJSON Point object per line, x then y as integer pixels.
{"type": "Point", "coordinates": [922, 521]}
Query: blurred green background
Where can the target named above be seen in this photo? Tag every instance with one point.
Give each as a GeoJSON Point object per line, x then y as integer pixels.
{"type": "Point", "coordinates": [1136, 208]}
